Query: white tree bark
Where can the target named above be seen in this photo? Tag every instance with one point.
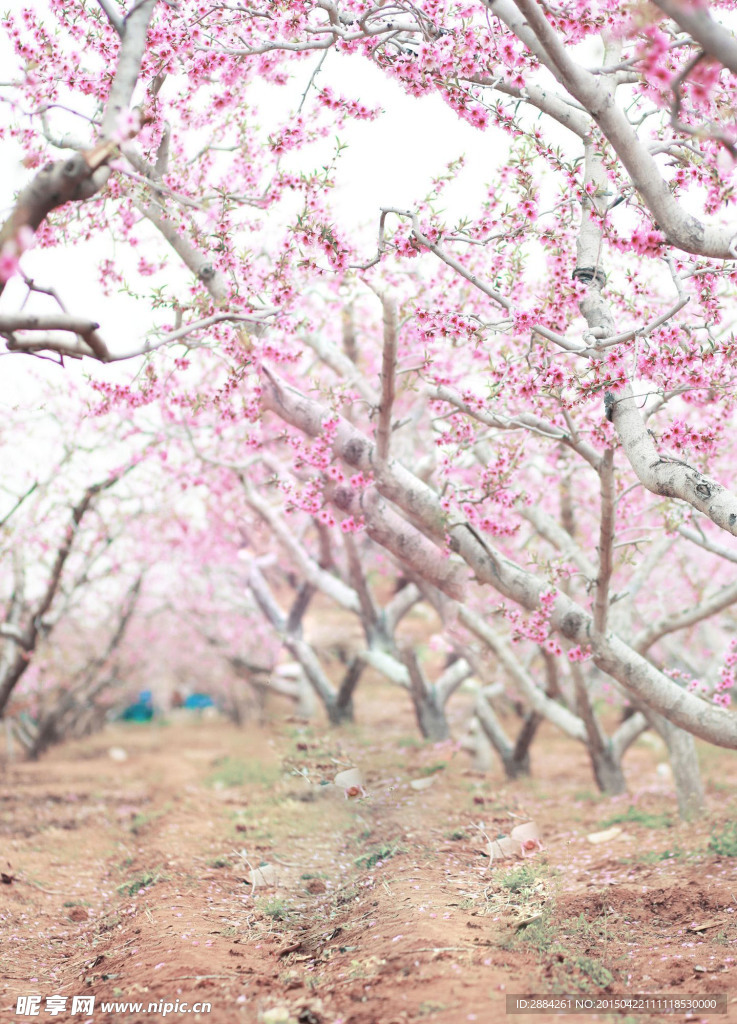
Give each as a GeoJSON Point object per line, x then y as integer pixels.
{"type": "Point", "coordinates": [666, 476]}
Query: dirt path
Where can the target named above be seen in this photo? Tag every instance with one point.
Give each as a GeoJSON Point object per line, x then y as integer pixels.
{"type": "Point", "coordinates": [130, 880]}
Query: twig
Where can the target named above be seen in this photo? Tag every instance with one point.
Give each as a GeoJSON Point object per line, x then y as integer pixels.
{"type": "Point", "coordinates": [90, 343]}
{"type": "Point", "coordinates": [311, 82]}
{"type": "Point", "coordinates": [647, 328]}
{"type": "Point", "coordinates": [203, 977]}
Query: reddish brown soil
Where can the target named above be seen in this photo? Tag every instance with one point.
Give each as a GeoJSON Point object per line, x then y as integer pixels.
{"type": "Point", "coordinates": [129, 880]}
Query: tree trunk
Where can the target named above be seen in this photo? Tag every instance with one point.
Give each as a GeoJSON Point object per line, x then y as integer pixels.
{"type": "Point", "coordinates": [429, 709]}
{"type": "Point", "coordinates": [46, 735]}
{"type": "Point", "coordinates": [604, 761]}
{"type": "Point", "coordinates": [515, 757]}
{"type": "Point", "coordinates": [24, 731]}
{"type": "Point", "coordinates": [431, 718]}
{"type": "Point", "coordinates": [519, 762]}
{"type": "Point", "coordinates": [477, 742]}
{"type": "Point", "coordinates": [305, 699]}
{"type": "Point", "coordinates": [338, 714]}
{"type": "Point", "coordinates": [684, 763]}
{"type": "Point", "coordinates": [343, 709]}
{"type": "Point", "coordinates": [14, 670]}
{"type": "Point", "coordinates": [607, 771]}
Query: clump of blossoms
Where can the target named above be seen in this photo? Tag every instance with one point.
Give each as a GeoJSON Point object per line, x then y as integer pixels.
{"type": "Point", "coordinates": [536, 627]}
{"type": "Point", "coordinates": [12, 251]}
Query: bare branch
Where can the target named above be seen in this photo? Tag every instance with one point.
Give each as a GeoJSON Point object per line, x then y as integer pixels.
{"type": "Point", "coordinates": [708, 545]}
{"type": "Point", "coordinates": [556, 535]}
{"type": "Point", "coordinates": [348, 684]}
{"type": "Point", "coordinates": [304, 595]}
{"type": "Point", "coordinates": [10, 322]}
{"type": "Point", "coordinates": [717, 602]}
{"type": "Point", "coordinates": [18, 504]}
{"type": "Point", "coordinates": [606, 541]}
{"type": "Point", "coordinates": [596, 741]}
{"type": "Point", "coordinates": [388, 666]}
{"type": "Point", "coordinates": [647, 328]}
{"type": "Point", "coordinates": [112, 15]}
{"type": "Point", "coordinates": [130, 56]}
{"type": "Point", "coordinates": [348, 333]}
{"type": "Point", "coordinates": [298, 647]}
{"type": "Point", "coordinates": [522, 421]}
{"type": "Point", "coordinates": [408, 544]}
{"type": "Point", "coordinates": [162, 154]}
{"type": "Point", "coordinates": [448, 681]}
{"type": "Point", "coordinates": [388, 371]}
{"type": "Point", "coordinates": [13, 632]}
{"type": "Point", "coordinates": [309, 569]}
{"type": "Point", "coordinates": [72, 179]}
{"type": "Point", "coordinates": [198, 263]}
{"type": "Point", "coordinates": [663, 475]}
{"type": "Point", "coordinates": [493, 728]}
{"type": "Point", "coordinates": [419, 686]}
{"type": "Point", "coordinates": [369, 614]}
{"type": "Point", "coordinates": [569, 723]}
{"type": "Point", "coordinates": [399, 605]}
{"type": "Point", "coordinates": [626, 734]}
{"type": "Point", "coordinates": [89, 341]}
{"type": "Point", "coordinates": [451, 261]}
{"type": "Point", "coordinates": [82, 175]}
{"type": "Point", "coordinates": [550, 103]}
{"type": "Point", "coordinates": [342, 365]}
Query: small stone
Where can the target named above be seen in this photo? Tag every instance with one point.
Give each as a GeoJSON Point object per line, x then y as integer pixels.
{"type": "Point", "coordinates": [277, 1015]}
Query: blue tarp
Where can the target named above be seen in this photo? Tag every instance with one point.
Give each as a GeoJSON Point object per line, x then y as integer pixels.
{"type": "Point", "coordinates": [198, 701]}
{"type": "Point", "coordinates": [142, 710]}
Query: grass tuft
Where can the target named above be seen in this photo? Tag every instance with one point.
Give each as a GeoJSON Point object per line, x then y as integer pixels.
{"type": "Point", "coordinates": [143, 881]}
{"type": "Point", "coordinates": [723, 841]}
{"type": "Point", "coordinates": [636, 816]}
{"type": "Point", "coordinates": [380, 852]}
